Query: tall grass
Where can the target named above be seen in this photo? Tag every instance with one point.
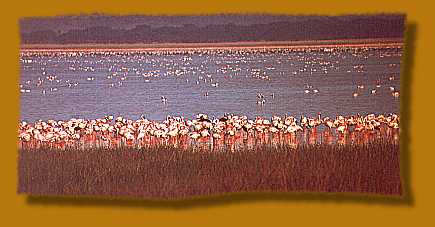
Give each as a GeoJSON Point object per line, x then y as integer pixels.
{"type": "Point", "coordinates": [171, 173]}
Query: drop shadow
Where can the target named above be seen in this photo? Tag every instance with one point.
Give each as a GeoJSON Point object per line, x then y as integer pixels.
{"type": "Point", "coordinates": [406, 199]}
{"type": "Point", "coordinates": [217, 200]}
{"type": "Point", "coordinates": [405, 115]}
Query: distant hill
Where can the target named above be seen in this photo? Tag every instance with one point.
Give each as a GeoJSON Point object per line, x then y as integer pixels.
{"type": "Point", "coordinates": [311, 28]}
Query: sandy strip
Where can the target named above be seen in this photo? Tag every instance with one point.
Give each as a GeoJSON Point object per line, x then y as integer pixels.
{"type": "Point", "coordinates": [396, 43]}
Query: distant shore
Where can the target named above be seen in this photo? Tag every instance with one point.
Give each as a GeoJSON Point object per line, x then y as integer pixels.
{"type": "Point", "coordinates": [162, 46]}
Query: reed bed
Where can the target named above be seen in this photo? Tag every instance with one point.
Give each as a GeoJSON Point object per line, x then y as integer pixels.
{"type": "Point", "coordinates": [167, 172]}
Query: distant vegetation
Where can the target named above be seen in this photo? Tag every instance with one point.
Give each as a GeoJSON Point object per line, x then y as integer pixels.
{"type": "Point", "coordinates": [312, 29]}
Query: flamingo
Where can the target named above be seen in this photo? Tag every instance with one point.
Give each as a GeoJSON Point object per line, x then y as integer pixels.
{"type": "Point", "coordinates": [235, 126]}
{"type": "Point", "coordinates": [163, 99]}
{"type": "Point", "coordinates": [327, 121]}
{"type": "Point", "coordinates": [205, 133]}
{"type": "Point", "coordinates": [216, 136]}
{"type": "Point", "coordinates": [359, 127]}
{"type": "Point", "coordinates": [195, 135]}
{"type": "Point", "coordinates": [342, 128]}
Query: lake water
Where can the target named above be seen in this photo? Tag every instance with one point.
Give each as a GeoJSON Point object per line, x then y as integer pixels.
{"type": "Point", "coordinates": [62, 85]}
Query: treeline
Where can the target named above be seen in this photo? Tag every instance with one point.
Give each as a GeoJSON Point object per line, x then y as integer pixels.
{"type": "Point", "coordinates": [315, 29]}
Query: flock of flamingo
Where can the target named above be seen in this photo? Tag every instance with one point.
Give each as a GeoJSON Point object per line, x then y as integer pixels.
{"type": "Point", "coordinates": [233, 130]}
{"type": "Point", "coordinates": [229, 130]}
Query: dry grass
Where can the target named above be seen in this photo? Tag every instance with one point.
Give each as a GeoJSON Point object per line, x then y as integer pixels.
{"type": "Point", "coordinates": [169, 173]}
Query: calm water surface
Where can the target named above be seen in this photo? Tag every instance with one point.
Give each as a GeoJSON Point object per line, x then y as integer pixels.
{"type": "Point", "coordinates": [63, 85]}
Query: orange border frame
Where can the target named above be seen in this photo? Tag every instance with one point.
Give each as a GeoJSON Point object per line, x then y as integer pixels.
{"type": "Point", "coordinates": [246, 209]}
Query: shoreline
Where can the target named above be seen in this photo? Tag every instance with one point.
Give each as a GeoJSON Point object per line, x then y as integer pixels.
{"type": "Point", "coordinates": [398, 42]}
